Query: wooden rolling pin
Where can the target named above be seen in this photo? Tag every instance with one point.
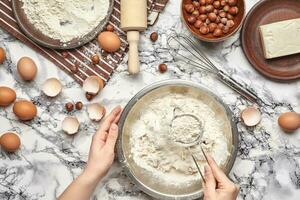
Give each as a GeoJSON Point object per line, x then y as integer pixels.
{"type": "Point", "coordinates": [133, 20]}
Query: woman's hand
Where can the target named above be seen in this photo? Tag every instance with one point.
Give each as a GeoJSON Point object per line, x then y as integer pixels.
{"type": "Point", "coordinates": [102, 150]}
{"type": "Point", "coordinates": [218, 186]}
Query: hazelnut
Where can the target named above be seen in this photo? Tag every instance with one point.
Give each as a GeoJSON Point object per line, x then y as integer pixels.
{"type": "Point", "coordinates": [218, 20]}
{"type": "Point", "coordinates": [222, 14]}
{"type": "Point", "coordinates": [191, 19]}
{"type": "Point", "coordinates": [202, 10]}
{"type": "Point", "coordinates": [69, 106]}
{"type": "Point", "coordinates": [223, 2]}
{"type": "Point", "coordinates": [198, 24]}
{"type": "Point", "coordinates": [209, 8]}
{"type": "Point", "coordinates": [153, 36]}
{"type": "Point", "coordinates": [217, 32]}
{"type": "Point", "coordinates": [220, 25]}
{"type": "Point", "coordinates": [204, 30]}
{"type": "Point", "coordinates": [225, 29]}
{"type": "Point", "coordinates": [78, 105]}
{"type": "Point", "coordinates": [207, 21]}
{"type": "Point", "coordinates": [233, 10]}
{"type": "Point", "coordinates": [232, 2]}
{"type": "Point", "coordinates": [64, 54]}
{"type": "Point", "coordinates": [202, 17]}
{"type": "Point", "coordinates": [110, 28]}
{"type": "Point", "coordinates": [224, 21]}
{"type": "Point", "coordinates": [217, 4]}
{"type": "Point", "coordinates": [226, 8]}
{"type": "Point", "coordinates": [196, 4]}
{"type": "Point", "coordinates": [229, 16]}
{"type": "Point", "coordinates": [208, 2]}
{"type": "Point", "coordinates": [202, 2]}
{"type": "Point", "coordinates": [89, 96]}
{"type": "Point", "coordinates": [189, 8]}
{"type": "Point", "coordinates": [95, 59]}
{"type": "Point", "coordinates": [162, 68]}
{"type": "Point", "coordinates": [212, 27]}
{"type": "Point", "coordinates": [212, 17]}
{"type": "Point", "coordinates": [216, 11]}
{"type": "Point", "coordinates": [230, 23]}
{"type": "Point", "coordinates": [196, 13]}
{"type": "Point", "coordinates": [74, 68]}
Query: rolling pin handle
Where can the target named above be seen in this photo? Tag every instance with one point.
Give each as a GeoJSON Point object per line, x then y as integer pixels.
{"type": "Point", "coordinates": [133, 57]}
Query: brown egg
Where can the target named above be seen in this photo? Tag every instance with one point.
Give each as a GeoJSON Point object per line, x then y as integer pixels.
{"type": "Point", "coordinates": [109, 41]}
{"type": "Point", "coordinates": [2, 55]}
{"type": "Point", "coordinates": [289, 121]}
{"type": "Point", "coordinates": [7, 96]}
{"type": "Point", "coordinates": [27, 68]}
{"type": "Point", "coordinates": [25, 110]}
{"type": "Point", "coordinates": [10, 142]}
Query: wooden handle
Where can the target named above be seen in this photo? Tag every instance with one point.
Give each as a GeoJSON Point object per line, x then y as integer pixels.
{"type": "Point", "coordinates": [133, 54]}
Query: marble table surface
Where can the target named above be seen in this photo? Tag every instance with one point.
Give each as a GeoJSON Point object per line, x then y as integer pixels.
{"type": "Point", "coordinates": [268, 162]}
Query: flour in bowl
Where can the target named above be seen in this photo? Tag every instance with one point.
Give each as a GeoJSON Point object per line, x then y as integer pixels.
{"type": "Point", "coordinates": [65, 20]}
{"type": "Point", "coordinates": [153, 137]}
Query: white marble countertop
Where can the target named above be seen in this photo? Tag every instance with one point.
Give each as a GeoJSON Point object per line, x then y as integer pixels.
{"type": "Point", "coordinates": [268, 162]}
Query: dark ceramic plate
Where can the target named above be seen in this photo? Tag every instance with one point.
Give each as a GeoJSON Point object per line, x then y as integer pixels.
{"type": "Point", "coordinates": [35, 35]}
{"type": "Point", "coordinates": [265, 12]}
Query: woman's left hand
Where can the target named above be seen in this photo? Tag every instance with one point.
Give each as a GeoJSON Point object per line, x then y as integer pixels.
{"type": "Point", "coordinates": [102, 150]}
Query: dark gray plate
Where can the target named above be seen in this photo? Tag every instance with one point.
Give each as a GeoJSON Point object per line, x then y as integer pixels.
{"type": "Point", "coordinates": [32, 33]}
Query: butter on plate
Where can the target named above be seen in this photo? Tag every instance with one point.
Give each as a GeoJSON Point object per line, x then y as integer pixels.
{"type": "Point", "coordinates": [280, 38]}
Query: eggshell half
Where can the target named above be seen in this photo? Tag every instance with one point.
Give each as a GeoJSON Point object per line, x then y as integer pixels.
{"type": "Point", "coordinates": [251, 116]}
{"type": "Point", "coordinates": [52, 87]}
{"type": "Point", "coordinates": [96, 111]}
{"type": "Point", "coordinates": [93, 84]}
{"type": "Point", "coordinates": [70, 125]}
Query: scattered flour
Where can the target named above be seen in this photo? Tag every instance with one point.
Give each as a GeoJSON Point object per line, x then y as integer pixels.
{"type": "Point", "coordinates": [65, 20]}
{"type": "Point", "coordinates": [153, 149]}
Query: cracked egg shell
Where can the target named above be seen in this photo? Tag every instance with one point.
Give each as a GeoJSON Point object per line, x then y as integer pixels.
{"type": "Point", "coordinates": [70, 125]}
{"type": "Point", "coordinates": [24, 110]}
{"type": "Point", "coordinates": [10, 142]}
{"type": "Point", "coordinates": [52, 87]}
{"type": "Point", "coordinates": [251, 116]}
{"type": "Point", "coordinates": [96, 111]}
{"type": "Point", "coordinates": [93, 84]}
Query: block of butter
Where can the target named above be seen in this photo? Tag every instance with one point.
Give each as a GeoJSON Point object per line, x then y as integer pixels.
{"type": "Point", "coordinates": [281, 38]}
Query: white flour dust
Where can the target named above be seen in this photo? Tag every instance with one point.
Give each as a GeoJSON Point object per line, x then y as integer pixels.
{"type": "Point", "coordinates": [152, 143]}
{"type": "Point", "coordinates": [65, 20]}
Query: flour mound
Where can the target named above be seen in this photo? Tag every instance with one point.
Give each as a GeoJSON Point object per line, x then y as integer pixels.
{"type": "Point", "coordinates": [65, 20]}
{"type": "Point", "coordinates": [152, 146]}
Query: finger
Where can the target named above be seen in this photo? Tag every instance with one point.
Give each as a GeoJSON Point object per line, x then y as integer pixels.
{"type": "Point", "coordinates": [112, 137]}
{"type": "Point", "coordinates": [210, 181]}
{"type": "Point", "coordinates": [110, 119]}
{"type": "Point", "coordinates": [217, 172]}
{"type": "Point", "coordinates": [118, 117]}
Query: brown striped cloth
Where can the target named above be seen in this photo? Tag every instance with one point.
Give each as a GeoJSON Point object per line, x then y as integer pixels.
{"type": "Point", "coordinates": [77, 62]}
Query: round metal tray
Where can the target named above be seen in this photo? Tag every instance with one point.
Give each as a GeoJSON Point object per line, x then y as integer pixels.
{"type": "Point", "coordinates": [141, 177]}
{"type": "Point", "coordinates": [37, 36]}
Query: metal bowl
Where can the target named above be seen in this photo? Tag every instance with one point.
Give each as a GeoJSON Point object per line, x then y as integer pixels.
{"type": "Point", "coordinates": [131, 112]}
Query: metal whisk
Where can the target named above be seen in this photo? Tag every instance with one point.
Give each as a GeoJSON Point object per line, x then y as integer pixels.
{"type": "Point", "coordinates": [198, 59]}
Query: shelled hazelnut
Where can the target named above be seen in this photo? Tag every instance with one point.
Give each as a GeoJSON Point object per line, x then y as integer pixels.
{"type": "Point", "coordinates": [95, 59]}
{"type": "Point", "coordinates": [69, 106]}
{"type": "Point", "coordinates": [153, 36]}
{"type": "Point", "coordinates": [110, 28]}
{"type": "Point", "coordinates": [78, 105]}
{"type": "Point", "coordinates": [162, 68]}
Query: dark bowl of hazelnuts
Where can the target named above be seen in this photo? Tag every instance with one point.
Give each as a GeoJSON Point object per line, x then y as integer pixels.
{"type": "Point", "coordinates": [213, 20]}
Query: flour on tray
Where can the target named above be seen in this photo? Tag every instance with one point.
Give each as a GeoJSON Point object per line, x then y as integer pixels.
{"type": "Point", "coordinates": [65, 20]}
{"type": "Point", "coordinates": [152, 146]}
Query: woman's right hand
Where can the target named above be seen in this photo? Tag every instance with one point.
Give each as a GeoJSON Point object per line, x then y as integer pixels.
{"type": "Point", "coordinates": [218, 186]}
